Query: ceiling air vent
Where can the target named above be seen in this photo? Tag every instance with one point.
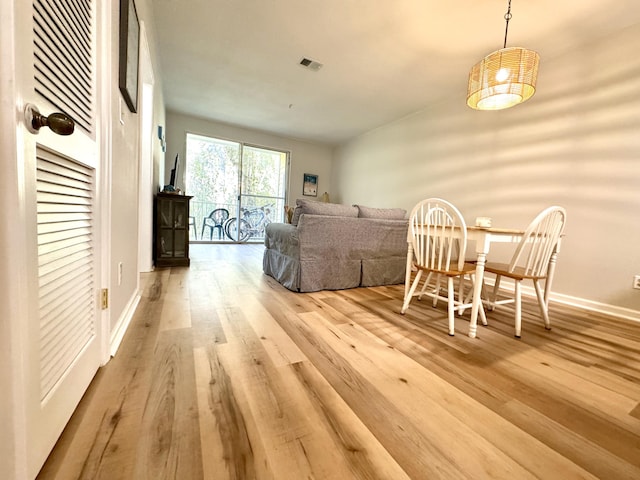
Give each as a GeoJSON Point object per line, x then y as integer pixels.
{"type": "Point", "coordinates": [311, 64]}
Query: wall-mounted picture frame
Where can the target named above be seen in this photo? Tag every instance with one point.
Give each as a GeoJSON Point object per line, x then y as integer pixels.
{"type": "Point", "coordinates": [129, 53]}
{"type": "Point", "coordinates": [310, 185]}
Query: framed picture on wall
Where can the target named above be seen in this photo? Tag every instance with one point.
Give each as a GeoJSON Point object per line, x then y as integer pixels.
{"type": "Point", "coordinates": [129, 51]}
{"type": "Point", "coordinates": [310, 185]}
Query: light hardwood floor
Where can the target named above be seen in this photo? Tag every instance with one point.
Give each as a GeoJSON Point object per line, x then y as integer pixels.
{"type": "Point", "coordinates": [224, 374]}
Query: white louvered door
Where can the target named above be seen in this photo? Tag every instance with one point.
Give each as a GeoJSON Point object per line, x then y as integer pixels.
{"type": "Point", "coordinates": [66, 273]}
{"type": "Point", "coordinates": [57, 42]}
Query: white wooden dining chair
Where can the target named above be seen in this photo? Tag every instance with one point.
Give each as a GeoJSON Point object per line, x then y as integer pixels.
{"type": "Point", "coordinates": [437, 236]}
{"type": "Point", "coordinates": [531, 260]}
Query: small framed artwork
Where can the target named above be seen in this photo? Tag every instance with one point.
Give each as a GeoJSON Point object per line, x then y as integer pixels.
{"type": "Point", "coordinates": [129, 51]}
{"type": "Point", "coordinates": [310, 185]}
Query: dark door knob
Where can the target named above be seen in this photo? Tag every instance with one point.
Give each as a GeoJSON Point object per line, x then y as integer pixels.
{"type": "Point", "coordinates": [59, 123]}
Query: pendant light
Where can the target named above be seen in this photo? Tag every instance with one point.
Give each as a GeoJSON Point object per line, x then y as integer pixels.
{"type": "Point", "coordinates": [503, 78]}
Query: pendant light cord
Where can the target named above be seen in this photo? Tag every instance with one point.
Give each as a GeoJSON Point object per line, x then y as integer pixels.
{"type": "Point", "coordinates": [507, 17]}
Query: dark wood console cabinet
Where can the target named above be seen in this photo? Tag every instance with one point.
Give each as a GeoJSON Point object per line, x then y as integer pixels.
{"type": "Point", "coordinates": [171, 230]}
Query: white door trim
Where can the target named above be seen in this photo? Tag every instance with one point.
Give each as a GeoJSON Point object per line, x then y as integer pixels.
{"type": "Point", "coordinates": [145, 199]}
{"type": "Point", "coordinates": [105, 133]}
{"type": "Point", "coordinates": [13, 284]}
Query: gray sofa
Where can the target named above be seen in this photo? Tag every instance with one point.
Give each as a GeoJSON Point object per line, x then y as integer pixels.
{"type": "Point", "coordinates": [333, 247]}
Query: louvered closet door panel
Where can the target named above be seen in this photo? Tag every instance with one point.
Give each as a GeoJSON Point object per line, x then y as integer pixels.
{"type": "Point", "coordinates": [63, 67]}
{"type": "Point", "coordinates": [60, 44]}
{"type": "Point", "coordinates": [65, 270]}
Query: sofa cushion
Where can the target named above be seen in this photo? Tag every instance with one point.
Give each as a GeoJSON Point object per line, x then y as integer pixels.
{"type": "Point", "coordinates": [384, 213]}
{"type": "Point", "coordinates": [319, 208]}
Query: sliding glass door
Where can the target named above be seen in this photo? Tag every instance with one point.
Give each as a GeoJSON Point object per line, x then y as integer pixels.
{"type": "Point", "coordinates": [237, 188]}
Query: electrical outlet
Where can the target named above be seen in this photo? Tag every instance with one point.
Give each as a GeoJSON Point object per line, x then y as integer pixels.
{"type": "Point", "coordinates": [636, 282]}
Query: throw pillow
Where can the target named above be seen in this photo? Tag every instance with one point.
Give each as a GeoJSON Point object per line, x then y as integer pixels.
{"type": "Point", "coordinates": [384, 213]}
{"type": "Point", "coordinates": [320, 208]}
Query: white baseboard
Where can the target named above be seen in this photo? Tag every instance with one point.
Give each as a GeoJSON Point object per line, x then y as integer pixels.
{"type": "Point", "coordinates": [118, 332]}
{"type": "Point", "coordinates": [613, 310]}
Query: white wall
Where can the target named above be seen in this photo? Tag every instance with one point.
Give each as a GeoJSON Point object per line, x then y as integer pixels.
{"type": "Point", "coordinates": [125, 173]}
{"type": "Point", "coordinates": [576, 143]}
{"type": "Point", "coordinates": [305, 157]}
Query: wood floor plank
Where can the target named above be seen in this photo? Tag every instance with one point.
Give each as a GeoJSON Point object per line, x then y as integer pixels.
{"type": "Point", "coordinates": [280, 348]}
{"type": "Point", "coordinates": [169, 444]}
{"type": "Point", "coordinates": [227, 452]}
{"type": "Point", "coordinates": [365, 455]}
{"type": "Point", "coordinates": [176, 310]}
{"type": "Point", "coordinates": [205, 325]}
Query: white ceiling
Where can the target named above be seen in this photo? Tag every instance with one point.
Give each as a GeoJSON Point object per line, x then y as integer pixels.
{"type": "Point", "coordinates": [237, 61]}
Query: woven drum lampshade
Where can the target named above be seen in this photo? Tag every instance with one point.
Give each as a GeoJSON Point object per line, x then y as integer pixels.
{"type": "Point", "coordinates": [503, 79]}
